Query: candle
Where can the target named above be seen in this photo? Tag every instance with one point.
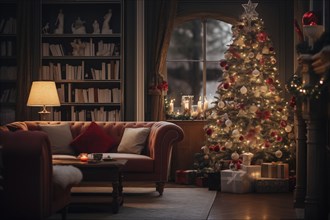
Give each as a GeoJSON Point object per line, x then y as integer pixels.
{"type": "Point", "coordinates": [186, 104]}
{"type": "Point", "coordinates": [199, 105]}
{"type": "Point", "coordinates": [206, 104]}
{"type": "Point", "coordinates": [83, 157]}
{"type": "Point", "coordinates": [171, 107]}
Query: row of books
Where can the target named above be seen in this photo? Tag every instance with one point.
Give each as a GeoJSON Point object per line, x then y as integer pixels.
{"type": "Point", "coordinates": [8, 26]}
{"type": "Point", "coordinates": [8, 96]}
{"type": "Point", "coordinates": [97, 114]}
{"type": "Point", "coordinates": [90, 95]}
{"type": "Point", "coordinates": [6, 48]}
{"type": "Point", "coordinates": [7, 115]}
{"type": "Point", "coordinates": [8, 73]}
{"type": "Point", "coordinates": [81, 49]}
{"type": "Point", "coordinates": [53, 71]}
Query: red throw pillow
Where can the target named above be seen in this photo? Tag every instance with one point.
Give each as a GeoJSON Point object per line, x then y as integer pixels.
{"type": "Point", "coordinates": [93, 140]}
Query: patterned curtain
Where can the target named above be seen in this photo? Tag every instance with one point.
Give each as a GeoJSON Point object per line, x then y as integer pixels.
{"type": "Point", "coordinates": [160, 22]}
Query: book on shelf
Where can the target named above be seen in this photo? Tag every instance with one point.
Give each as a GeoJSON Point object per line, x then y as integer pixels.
{"type": "Point", "coordinates": [8, 73]}
{"type": "Point", "coordinates": [8, 26]}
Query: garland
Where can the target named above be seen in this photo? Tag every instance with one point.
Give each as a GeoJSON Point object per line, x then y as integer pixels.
{"type": "Point", "coordinates": [296, 87]}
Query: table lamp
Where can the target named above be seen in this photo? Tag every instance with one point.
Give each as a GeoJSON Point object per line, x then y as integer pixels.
{"type": "Point", "coordinates": [43, 93]}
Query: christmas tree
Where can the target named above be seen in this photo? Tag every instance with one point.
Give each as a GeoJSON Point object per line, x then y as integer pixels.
{"type": "Point", "coordinates": [250, 113]}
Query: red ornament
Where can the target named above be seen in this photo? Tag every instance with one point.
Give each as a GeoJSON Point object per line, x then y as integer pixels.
{"type": "Point", "coordinates": [209, 131]}
{"type": "Point", "coordinates": [271, 49]}
{"type": "Point", "coordinates": [273, 134]}
{"type": "Point", "coordinates": [267, 144]}
{"type": "Point", "coordinates": [223, 148]}
{"type": "Point", "coordinates": [226, 85]}
{"type": "Point", "coordinates": [227, 67]}
{"type": "Point", "coordinates": [309, 18]}
{"type": "Point", "coordinates": [279, 139]}
{"type": "Point", "coordinates": [269, 81]}
{"type": "Point", "coordinates": [241, 138]}
{"type": "Point", "coordinates": [232, 79]}
{"type": "Point", "coordinates": [216, 148]}
{"type": "Point", "coordinates": [283, 123]}
{"type": "Point", "coordinates": [223, 63]}
{"type": "Point", "coordinates": [262, 37]}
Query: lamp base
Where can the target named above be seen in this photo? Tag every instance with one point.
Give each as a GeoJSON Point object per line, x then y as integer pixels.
{"type": "Point", "coordinates": [44, 114]}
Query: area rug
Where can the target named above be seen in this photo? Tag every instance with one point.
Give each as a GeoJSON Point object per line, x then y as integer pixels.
{"type": "Point", "coordinates": [146, 204]}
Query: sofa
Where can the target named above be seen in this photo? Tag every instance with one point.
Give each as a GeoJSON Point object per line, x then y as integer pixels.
{"type": "Point", "coordinates": [151, 162]}
{"type": "Point", "coordinates": [32, 187]}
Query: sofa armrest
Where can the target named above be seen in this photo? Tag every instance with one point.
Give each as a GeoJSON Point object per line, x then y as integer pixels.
{"type": "Point", "coordinates": [161, 139]}
{"type": "Point", "coordinates": [27, 172]}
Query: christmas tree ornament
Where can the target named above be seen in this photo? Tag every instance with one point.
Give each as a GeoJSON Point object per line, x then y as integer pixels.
{"type": "Point", "coordinates": [278, 154]}
{"type": "Point", "coordinates": [309, 18]}
{"type": "Point", "coordinates": [228, 122]}
{"type": "Point", "coordinates": [250, 11]}
{"type": "Point", "coordinates": [253, 109]}
{"type": "Point", "coordinates": [243, 90]}
{"type": "Point", "coordinates": [251, 55]}
{"type": "Point", "coordinates": [263, 89]}
{"type": "Point", "coordinates": [262, 37]}
{"type": "Point", "coordinates": [265, 50]}
{"type": "Point", "coordinates": [288, 128]}
{"type": "Point", "coordinates": [255, 72]}
{"type": "Point", "coordinates": [235, 156]}
{"type": "Point", "coordinates": [235, 133]}
{"type": "Point", "coordinates": [221, 104]}
{"type": "Point", "coordinates": [228, 144]}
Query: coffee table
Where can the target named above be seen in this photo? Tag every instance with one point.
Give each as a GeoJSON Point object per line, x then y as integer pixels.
{"type": "Point", "coordinates": [101, 171]}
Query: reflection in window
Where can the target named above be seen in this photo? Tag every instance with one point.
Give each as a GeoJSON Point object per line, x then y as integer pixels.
{"type": "Point", "coordinates": [192, 68]}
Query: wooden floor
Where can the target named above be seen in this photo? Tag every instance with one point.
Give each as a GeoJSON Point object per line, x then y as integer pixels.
{"type": "Point", "coordinates": [254, 206]}
{"type": "Point", "coordinates": [249, 206]}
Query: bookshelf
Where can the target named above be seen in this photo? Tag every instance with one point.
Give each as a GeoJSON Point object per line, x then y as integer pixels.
{"type": "Point", "coordinates": [82, 51]}
{"type": "Point", "coordinates": [8, 64]}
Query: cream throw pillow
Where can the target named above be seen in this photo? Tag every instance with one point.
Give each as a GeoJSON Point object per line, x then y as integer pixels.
{"type": "Point", "coordinates": [60, 137]}
{"type": "Point", "coordinates": [133, 140]}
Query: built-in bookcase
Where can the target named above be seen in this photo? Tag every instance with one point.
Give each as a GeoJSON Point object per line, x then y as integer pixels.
{"type": "Point", "coordinates": [86, 64]}
{"type": "Point", "coordinates": [8, 64]}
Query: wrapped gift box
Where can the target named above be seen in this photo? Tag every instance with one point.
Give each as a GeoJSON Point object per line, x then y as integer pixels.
{"type": "Point", "coordinates": [235, 181]}
{"type": "Point", "coordinates": [275, 170]}
{"type": "Point", "coordinates": [268, 170]}
{"type": "Point", "coordinates": [185, 176]}
{"type": "Point", "coordinates": [253, 171]}
{"type": "Point", "coordinates": [201, 181]}
{"type": "Point", "coordinates": [271, 185]}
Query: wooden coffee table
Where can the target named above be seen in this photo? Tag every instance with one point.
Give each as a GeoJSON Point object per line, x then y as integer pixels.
{"type": "Point", "coordinates": [101, 171]}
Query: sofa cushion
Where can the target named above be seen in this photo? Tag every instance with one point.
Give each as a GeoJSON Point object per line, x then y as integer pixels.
{"type": "Point", "coordinates": [92, 140]}
{"type": "Point", "coordinates": [133, 140]}
{"type": "Point", "coordinates": [60, 137]}
{"type": "Point", "coordinates": [135, 162]}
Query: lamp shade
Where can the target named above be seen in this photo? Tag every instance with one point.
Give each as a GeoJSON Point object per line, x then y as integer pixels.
{"type": "Point", "coordinates": [43, 93]}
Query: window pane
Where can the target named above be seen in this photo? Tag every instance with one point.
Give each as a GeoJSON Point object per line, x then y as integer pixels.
{"type": "Point", "coordinates": [184, 78]}
{"type": "Point", "coordinates": [186, 42]}
{"type": "Point", "coordinates": [213, 75]}
{"type": "Point", "coordinates": [218, 36]}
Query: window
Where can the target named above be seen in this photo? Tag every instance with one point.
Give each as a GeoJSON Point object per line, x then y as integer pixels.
{"type": "Point", "coordinates": [192, 68]}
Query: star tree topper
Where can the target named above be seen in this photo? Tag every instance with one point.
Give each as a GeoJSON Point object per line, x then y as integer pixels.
{"type": "Point", "coordinates": [250, 10]}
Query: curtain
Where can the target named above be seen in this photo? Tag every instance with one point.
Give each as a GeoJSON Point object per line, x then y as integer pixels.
{"type": "Point", "coordinates": [160, 22]}
{"type": "Point", "coordinates": [27, 53]}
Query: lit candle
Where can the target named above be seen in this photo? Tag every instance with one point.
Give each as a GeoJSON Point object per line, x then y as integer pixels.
{"type": "Point", "coordinates": [206, 104]}
{"type": "Point", "coordinates": [199, 105]}
{"type": "Point", "coordinates": [171, 107]}
{"type": "Point", "coordinates": [186, 104]}
{"type": "Point", "coordinates": [83, 157]}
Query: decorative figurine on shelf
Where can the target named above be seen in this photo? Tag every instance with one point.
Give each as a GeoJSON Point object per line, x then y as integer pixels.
{"type": "Point", "coordinates": [78, 27]}
{"type": "Point", "coordinates": [78, 48]}
{"type": "Point", "coordinates": [60, 23]}
{"type": "Point", "coordinates": [45, 28]}
{"type": "Point", "coordinates": [96, 27]}
{"type": "Point", "coordinates": [105, 27]}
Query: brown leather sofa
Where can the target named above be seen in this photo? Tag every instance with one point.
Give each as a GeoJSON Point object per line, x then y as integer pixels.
{"type": "Point", "coordinates": [154, 162]}
{"type": "Point", "coordinates": [30, 188]}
